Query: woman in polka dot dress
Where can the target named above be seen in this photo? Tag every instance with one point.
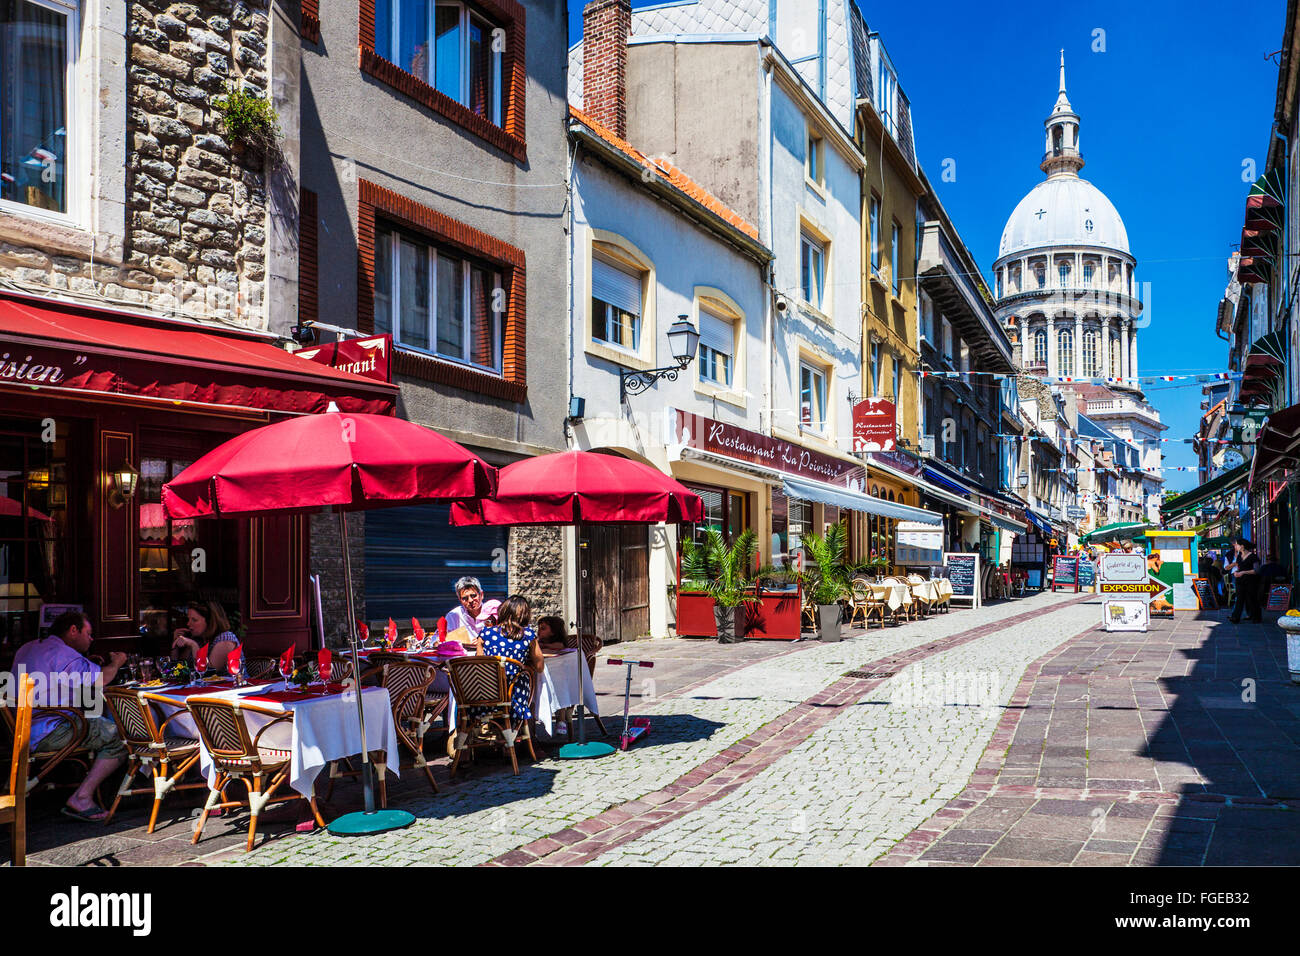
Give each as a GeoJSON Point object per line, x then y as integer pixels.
{"type": "Point", "coordinates": [516, 643]}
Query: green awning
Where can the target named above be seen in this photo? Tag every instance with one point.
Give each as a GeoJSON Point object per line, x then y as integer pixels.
{"type": "Point", "coordinates": [1120, 531]}
{"type": "Point", "coordinates": [1224, 483]}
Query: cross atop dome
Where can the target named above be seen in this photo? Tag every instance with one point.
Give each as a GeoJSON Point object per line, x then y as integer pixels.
{"type": "Point", "coordinates": [1062, 158]}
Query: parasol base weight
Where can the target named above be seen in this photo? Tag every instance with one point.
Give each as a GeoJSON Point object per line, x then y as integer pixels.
{"type": "Point", "coordinates": [380, 821]}
{"type": "Point", "coordinates": [585, 751]}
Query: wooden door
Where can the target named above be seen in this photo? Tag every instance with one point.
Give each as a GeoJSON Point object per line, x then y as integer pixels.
{"type": "Point", "coordinates": [634, 581]}
{"type": "Point", "coordinates": [615, 593]}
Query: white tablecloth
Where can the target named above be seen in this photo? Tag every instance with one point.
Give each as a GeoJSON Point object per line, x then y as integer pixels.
{"type": "Point", "coordinates": [322, 729]}
{"type": "Point", "coordinates": [895, 595]}
{"type": "Point", "coordinates": [557, 690]}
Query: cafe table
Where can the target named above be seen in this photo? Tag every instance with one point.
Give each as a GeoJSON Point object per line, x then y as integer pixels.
{"type": "Point", "coordinates": [893, 592]}
{"type": "Point", "coordinates": [558, 689]}
{"type": "Point", "coordinates": [324, 726]}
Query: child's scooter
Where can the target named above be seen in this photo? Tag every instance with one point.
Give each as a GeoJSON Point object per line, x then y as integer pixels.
{"type": "Point", "coordinates": [633, 727]}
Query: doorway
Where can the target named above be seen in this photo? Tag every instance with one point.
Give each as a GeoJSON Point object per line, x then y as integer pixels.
{"type": "Point", "coordinates": [615, 591]}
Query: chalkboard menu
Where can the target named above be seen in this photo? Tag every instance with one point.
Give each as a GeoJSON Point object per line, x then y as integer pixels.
{"type": "Point", "coordinates": [1065, 572]}
{"type": "Point", "coordinates": [1087, 573]}
{"type": "Point", "coordinates": [1279, 597]}
{"type": "Point", "coordinates": [963, 571]}
{"type": "Point", "coordinates": [1204, 596]}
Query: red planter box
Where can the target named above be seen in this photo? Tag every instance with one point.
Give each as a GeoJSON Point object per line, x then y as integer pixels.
{"type": "Point", "coordinates": [775, 617]}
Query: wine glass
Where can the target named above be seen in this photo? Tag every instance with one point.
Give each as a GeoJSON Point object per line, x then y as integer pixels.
{"type": "Point", "coordinates": [234, 667]}
{"type": "Point", "coordinates": [286, 670]}
{"type": "Point", "coordinates": [326, 668]}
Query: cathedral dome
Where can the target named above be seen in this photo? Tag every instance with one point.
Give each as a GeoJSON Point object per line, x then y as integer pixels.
{"type": "Point", "coordinates": [1063, 211]}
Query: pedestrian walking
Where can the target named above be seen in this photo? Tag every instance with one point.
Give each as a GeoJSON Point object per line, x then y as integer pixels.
{"type": "Point", "coordinates": [1246, 576]}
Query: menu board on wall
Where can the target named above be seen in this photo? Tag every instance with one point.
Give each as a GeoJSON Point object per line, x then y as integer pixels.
{"type": "Point", "coordinates": [963, 570]}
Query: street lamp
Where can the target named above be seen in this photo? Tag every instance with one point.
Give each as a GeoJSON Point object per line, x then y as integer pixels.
{"type": "Point", "coordinates": [683, 340]}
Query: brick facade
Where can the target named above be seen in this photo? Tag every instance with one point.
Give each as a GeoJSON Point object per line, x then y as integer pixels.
{"type": "Point", "coordinates": [606, 25]}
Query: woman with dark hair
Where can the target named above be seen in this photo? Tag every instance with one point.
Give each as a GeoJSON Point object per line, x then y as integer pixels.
{"type": "Point", "coordinates": [515, 643]}
{"type": "Point", "coordinates": [207, 624]}
{"type": "Point", "coordinates": [551, 633]}
{"type": "Point", "coordinates": [1247, 583]}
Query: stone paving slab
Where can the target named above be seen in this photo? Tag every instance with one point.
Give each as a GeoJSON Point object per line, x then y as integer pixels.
{"type": "Point", "coordinates": [1197, 766]}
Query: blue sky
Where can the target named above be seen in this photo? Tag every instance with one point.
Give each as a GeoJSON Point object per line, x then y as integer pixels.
{"type": "Point", "coordinates": [1179, 98]}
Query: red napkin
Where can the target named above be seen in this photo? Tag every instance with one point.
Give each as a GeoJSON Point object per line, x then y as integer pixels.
{"type": "Point", "coordinates": [442, 629]}
{"type": "Point", "coordinates": [390, 633]}
{"type": "Point", "coordinates": [232, 661]}
{"type": "Point", "coordinates": [201, 658]}
{"type": "Point", "coordinates": [286, 660]}
{"type": "Point", "coordinates": [324, 663]}
{"type": "Point", "coordinates": [364, 630]}
{"type": "Point", "coordinates": [419, 631]}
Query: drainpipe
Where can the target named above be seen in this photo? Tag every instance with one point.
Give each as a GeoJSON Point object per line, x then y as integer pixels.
{"type": "Point", "coordinates": [1286, 237]}
{"type": "Point", "coordinates": [769, 319]}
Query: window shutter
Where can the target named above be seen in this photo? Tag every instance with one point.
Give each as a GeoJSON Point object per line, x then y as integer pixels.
{"type": "Point", "coordinates": [717, 333]}
{"type": "Point", "coordinates": [308, 308]}
{"type": "Point", "coordinates": [618, 287]}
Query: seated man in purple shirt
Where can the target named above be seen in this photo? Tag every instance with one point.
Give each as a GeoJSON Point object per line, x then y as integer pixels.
{"type": "Point", "coordinates": [61, 669]}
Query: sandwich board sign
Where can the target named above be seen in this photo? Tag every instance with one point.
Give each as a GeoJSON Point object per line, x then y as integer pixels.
{"type": "Point", "coordinates": [963, 571]}
{"type": "Point", "coordinates": [1126, 591]}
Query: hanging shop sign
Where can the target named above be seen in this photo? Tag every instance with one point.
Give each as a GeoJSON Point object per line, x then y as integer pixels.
{"type": "Point", "coordinates": [875, 425]}
{"type": "Point", "coordinates": [369, 357]}
{"type": "Point", "coordinates": [729, 441]}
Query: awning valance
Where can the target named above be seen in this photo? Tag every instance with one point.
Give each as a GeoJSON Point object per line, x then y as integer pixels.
{"type": "Point", "coordinates": [961, 500]}
{"type": "Point", "coordinates": [52, 347]}
{"type": "Point", "coordinates": [1228, 481]}
{"type": "Point", "coordinates": [1042, 524]}
{"type": "Point", "coordinates": [1266, 201]}
{"type": "Point", "coordinates": [856, 501]}
{"type": "Point", "coordinates": [1120, 530]}
{"type": "Point", "coordinates": [1277, 444]}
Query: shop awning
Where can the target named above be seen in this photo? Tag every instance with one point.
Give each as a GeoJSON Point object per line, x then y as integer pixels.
{"type": "Point", "coordinates": [1120, 531]}
{"type": "Point", "coordinates": [959, 498]}
{"type": "Point", "coordinates": [1228, 481]}
{"type": "Point", "coordinates": [1042, 524]}
{"type": "Point", "coordinates": [52, 347]}
{"type": "Point", "coordinates": [1265, 362]}
{"type": "Point", "coordinates": [1277, 444]}
{"type": "Point", "coordinates": [856, 501]}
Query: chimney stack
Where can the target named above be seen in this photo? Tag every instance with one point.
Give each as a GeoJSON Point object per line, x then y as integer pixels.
{"type": "Point", "coordinates": [605, 28]}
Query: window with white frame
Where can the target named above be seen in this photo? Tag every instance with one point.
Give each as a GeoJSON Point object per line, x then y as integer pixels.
{"type": "Point", "coordinates": [813, 159]}
{"type": "Point", "coordinates": [437, 301]}
{"type": "Point", "coordinates": [812, 397]}
{"type": "Point", "coordinates": [812, 269]}
{"type": "Point", "coordinates": [927, 318]}
{"type": "Point", "coordinates": [1114, 355]}
{"type": "Point", "coordinates": [1040, 347]}
{"type": "Point", "coordinates": [893, 256]}
{"type": "Point", "coordinates": [717, 345]}
{"type": "Point", "coordinates": [37, 53]}
{"type": "Point", "coordinates": [875, 369]}
{"type": "Point", "coordinates": [875, 236]}
{"type": "Point", "coordinates": [965, 359]}
{"type": "Point", "coordinates": [617, 297]}
{"type": "Point", "coordinates": [947, 341]}
{"type": "Point", "coordinates": [1065, 352]}
{"type": "Point", "coordinates": [1063, 272]}
{"type": "Point", "coordinates": [898, 377]}
{"type": "Point", "coordinates": [887, 96]}
{"type": "Point", "coordinates": [1090, 366]}
{"type": "Point", "coordinates": [1088, 270]}
{"type": "Point", "coordinates": [447, 45]}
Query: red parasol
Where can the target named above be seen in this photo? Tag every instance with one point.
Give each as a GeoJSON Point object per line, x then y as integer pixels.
{"type": "Point", "coordinates": [345, 461]}
{"type": "Point", "coordinates": [582, 487]}
{"type": "Point", "coordinates": [576, 487]}
{"type": "Point", "coordinates": [336, 459]}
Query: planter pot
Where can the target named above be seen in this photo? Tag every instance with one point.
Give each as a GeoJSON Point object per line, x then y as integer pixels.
{"type": "Point", "coordinates": [1291, 628]}
{"type": "Point", "coordinates": [828, 622]}
{"type": "Point", "coordinates": [730, 622]}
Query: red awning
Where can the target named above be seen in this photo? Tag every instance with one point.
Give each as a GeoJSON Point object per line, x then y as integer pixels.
{"type": "Point", "coordinates": [57, 347]}
{"type": "Point", "coordinates": [1277, 445]}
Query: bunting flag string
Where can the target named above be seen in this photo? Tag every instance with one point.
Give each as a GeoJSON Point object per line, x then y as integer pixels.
{"type": "Point", "coordinates": [1203, 377]}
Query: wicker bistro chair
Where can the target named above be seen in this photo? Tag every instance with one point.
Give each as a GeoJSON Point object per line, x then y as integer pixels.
{"type": "Point", "coordinates": [864, 603]}
{"type": "Point", "coordinates": [262, 669]}
{"type": "Point", "coordinates": [905, 610]}
{"type": "Point", "coordinates": [151, 746]}
{"type": "Point", "coordinates": [481, 682]}
{"type": "Point", "coordinates": [237, 754]}
{"type": "Point", "coordinates": [414, 711]}
{"type": "Point", "coordinates": [591, 645]}
{"type": "Point", "coordinates": [43, 763]}
{"type": "Point", "coordinates": [13, 805]}
{"type": "Point", "coordinates": [924, 605]}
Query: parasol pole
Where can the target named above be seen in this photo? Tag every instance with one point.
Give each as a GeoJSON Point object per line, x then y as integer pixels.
{"type": "Point", "coordinates": [372, 820]}
{"type": "Point", "coordinates": [582, 749]}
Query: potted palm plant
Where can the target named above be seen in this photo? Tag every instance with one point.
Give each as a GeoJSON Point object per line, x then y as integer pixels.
{"type": "Point", "coordinates": [721, 571]}
{"type": "Point", "coordinates": [827, 580]}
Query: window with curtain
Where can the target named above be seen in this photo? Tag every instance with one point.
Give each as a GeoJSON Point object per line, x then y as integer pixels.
{"type": "Point", "coordinates": [1065, 352]}
{"type": "Point", "coordinates": [812, 398]}
{"type": "Point", "coordinates": [436, 301]}
{"type": "Point", "coordinates": [616, 303]}
{"type": "Point", "coordinates": [35, 56]}
{"type": "Point", "coordinates": [717, 346]}
{"type": "Point", "coordinates": [812, 270]}
{"type": "Point", "coordinates": [447, 45]}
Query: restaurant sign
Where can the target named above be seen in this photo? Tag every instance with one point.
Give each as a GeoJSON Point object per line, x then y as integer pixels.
{"type": "Point", "coordinates": [730, 441]}
{"type": "Point", "coordinates": [875, 425]}
{"type": "Point", "coordinates": [368, 357]}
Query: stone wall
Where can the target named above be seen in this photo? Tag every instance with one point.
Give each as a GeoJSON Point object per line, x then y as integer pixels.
{"type": "Point", "coordinates": [536, 567]}
{"type": "Point", "coordinates": [327, 561]}
{"type": "Point", "coordinates": [194, 239]}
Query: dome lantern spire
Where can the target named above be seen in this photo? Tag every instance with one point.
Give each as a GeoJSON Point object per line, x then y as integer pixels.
{"type": "Point", "coordinates": [1062, 157]}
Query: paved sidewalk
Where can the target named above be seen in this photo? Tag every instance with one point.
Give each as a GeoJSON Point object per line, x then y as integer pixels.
{"type": "Point", "coordinates": [1174, 747]}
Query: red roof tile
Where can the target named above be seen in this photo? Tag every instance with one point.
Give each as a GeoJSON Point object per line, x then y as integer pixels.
{"type": "Point", "coordinates": [683, 183]}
